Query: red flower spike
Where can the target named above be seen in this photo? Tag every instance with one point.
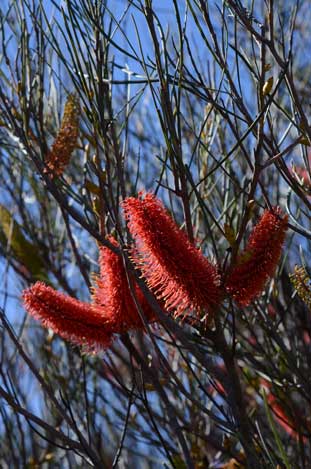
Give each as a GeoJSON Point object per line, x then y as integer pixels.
{"type": "Point", "coordinates": [174, 269]}
{"type": "Point", "coordinates": [113, 310]}
{"type": "Point", "coordinates": [287, 422]}
{"type": "Point", "coordinates": [75, 321]}
{"type": "Point", "coordinates": [113, 294]}
{"type": "Point", "coordinates": [257, 263]}
{"type": "Point", "coordinates": [283, 419]}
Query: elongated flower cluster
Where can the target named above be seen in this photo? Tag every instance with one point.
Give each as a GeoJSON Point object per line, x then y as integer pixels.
{"type": "Point", "coordinates": [112, 311]}
{"type": "Point", "coordinates": [113, 295]}
{"type": "Point", "coordinates": [174, 269]}
{"type": "Point", "coordinates": [302, 284]}
{"type": "Point", "coordinates": [66, 140]}
{"type": "Point", "coordinates": [260, 258]}
{"type": "Point", "coordinates": [75, 321]}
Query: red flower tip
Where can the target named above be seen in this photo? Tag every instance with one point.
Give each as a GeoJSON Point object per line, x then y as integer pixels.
{"type": "Point", "coordinates": [75, 321]}
{"type": "Point", "coordinates": [290, 419]}
{"type": "Point", "coordinates": [174, 269]}
{"type": "Point", "coordinates": [113, 295]}
{"type": "Point", "coordinates": [258, 261]}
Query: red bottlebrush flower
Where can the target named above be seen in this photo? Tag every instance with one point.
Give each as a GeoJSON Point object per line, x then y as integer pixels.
{"type": "Point", "coordinates": [113, 295]}
{"type": "Point", "coordinates": [174, 269]}
{"type": "Point", "coordinates": [78, 322]}
{"type": "Point", "coordinates": [258, 261]}
{"type": "Point", "coordinates": [113, 310]}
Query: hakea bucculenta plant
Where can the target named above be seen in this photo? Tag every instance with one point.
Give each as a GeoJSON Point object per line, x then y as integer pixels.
{"type": "Point", "coordinates": [257, 263]}
{"type": "Point", "coordinates": [92, 325]}
{"type": "Point", "coordinates": [66, 140]}
{"type": "Point", "coordinates": [179, 275]}
{"type": "Point", "coordinates": [174, 269]}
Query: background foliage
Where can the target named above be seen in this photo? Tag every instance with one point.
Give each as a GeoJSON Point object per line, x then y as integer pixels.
{"type": "Point", "coordinates": [207, 104]}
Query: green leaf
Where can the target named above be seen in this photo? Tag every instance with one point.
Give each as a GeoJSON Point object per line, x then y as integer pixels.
{"type": "Point", "coordinates": [25, 252]}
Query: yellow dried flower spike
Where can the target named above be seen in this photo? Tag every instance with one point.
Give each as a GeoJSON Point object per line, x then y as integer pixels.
{"type": "Point", "coordinates": [301, 282]}
{"type": "Point", "coordinates": [66, 140]}
{"type": "Point", "coordinates": [230, 234]}
{"type": "Point", "coordinates": [267, 87]}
